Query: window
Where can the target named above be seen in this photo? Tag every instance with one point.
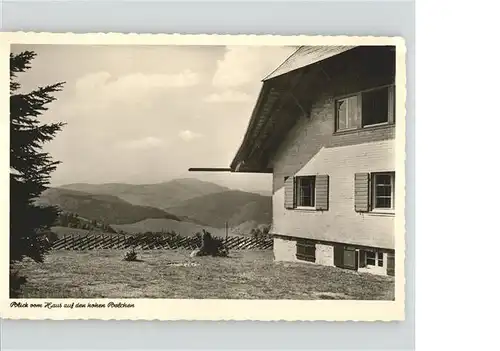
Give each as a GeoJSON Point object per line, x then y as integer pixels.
{"type": "Point", "coordinates": [375, 106]}
{"type": "Point", "coordinates": [305, 194]}
{"type": "Point", "coordinates": [306, 250]}
{"type": "Point", "coordinates": [347, 113]}
{"type": "Point", "coordinates": [374, 258]}
{"type": "Point", "coordinates": [367, 108]}
{"type": "Point", "coordinates": [383, 191]}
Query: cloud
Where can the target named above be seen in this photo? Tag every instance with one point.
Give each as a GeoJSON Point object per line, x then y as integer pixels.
{"type": "Point", "coordinates": [141, 144]}
{"type": "Point", "coordinates": [101, 85]}
{"type": "Point", "coordinates": [228, 96]}
{"type": "Point", "coordinates": [245, 64]}
{"type": "Point", "coordinates": [188, 135]}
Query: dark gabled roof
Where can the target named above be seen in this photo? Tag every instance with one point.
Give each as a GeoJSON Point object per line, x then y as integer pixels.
{"type": "Point", "coordinates": [305, 56]}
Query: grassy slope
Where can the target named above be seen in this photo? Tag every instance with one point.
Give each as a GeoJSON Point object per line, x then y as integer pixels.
{"type": "Point", "coordinates": [244, 275]}
{"type": "Point", "coordinates": [233, 206]}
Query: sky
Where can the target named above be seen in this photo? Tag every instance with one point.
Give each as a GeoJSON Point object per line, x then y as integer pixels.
{"type": "Point", "coordinates": [145, 114]}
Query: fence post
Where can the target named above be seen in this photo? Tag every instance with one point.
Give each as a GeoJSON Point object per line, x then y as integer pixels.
{"type": "Point", "coordinates": [227, 229]}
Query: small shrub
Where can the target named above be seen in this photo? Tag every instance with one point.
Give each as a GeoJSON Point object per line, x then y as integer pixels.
{"type": "Point", "coordinates": [261, 233]}
{"type": "Point", "coordinates": [211, 246]}
{"type": "Point", "coordinates": [16, 281]}
{"type": "Point", "coordinates": [130, 255]}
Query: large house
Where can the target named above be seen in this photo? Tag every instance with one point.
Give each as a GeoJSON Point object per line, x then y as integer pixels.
{"type": "Point", "coordinates": [324, 126]}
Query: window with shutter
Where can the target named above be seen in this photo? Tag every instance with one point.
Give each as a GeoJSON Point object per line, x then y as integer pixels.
{"type": "Point", "coordinates": [322, 187]}
{"type": "Point", "coordinates": [383, 191]}
{"type": "Point", "coordinates": [362, 192]}
{"type": "Point", "coordinates": [305, 192]}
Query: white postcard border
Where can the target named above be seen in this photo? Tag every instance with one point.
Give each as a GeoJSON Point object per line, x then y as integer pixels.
{"type": "Point", "coordinates": [184, 309]}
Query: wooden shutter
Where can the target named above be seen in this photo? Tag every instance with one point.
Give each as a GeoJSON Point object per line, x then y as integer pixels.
{"type": "Point", "coordinates": [306, 250]}
{"type": "Point", "coordinates": [390, 264]}
{"type": "Point", "coordinates": [362, 258]}
{"type": "Point", "coordinates": [338, 256]}
{"type": "Point", "coordinates": [362, 192]}
{"type": "Point", "coordinates": [350, 258]}
{"type": "Point", "coordinates": [289, 192]}
{"type": "Point", "coordinates": [392, 105]}
{"type": "Point", "coordinates": [322, 192]}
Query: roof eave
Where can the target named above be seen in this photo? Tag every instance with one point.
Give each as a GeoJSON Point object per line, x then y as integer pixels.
{"type": "Point", "coordinates": [237, 163]}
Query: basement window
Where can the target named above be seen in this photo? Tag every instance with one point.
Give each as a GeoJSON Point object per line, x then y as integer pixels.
{"type": "Point", "coordinates": [374, 259]}
{"type": "Point", "coordinates": [306, 250]}
{"type": "Point", "coordinates": [305, 192]}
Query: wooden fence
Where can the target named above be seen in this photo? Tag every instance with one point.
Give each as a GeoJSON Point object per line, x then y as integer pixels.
{"type": "Point", "coordinates": [151, 242]}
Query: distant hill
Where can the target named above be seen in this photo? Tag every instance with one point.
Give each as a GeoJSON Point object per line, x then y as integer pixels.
{"type": "Point", "coordinates": [191, 203]}
{"type": "Point", "coordinates": [103, 208]}
{"type": "Point", "coordinates": [233, 206]}
{"type": "Point", "coordinates": [159, 224]}
{"type": "Point", "coordinates": [161, 195]}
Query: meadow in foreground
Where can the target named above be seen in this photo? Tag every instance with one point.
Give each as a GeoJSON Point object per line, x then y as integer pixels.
{"type": "Point", "coordinates": [173, 274]}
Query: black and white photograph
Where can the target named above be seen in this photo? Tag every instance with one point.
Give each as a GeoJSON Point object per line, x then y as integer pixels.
{"type": "Point", "coordinates": [206, 172]}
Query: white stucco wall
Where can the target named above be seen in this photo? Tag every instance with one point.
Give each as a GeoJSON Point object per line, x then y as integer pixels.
{"type": "Point", "coordinates": [324, 255]}
{"type": "Point", "coordinates": [340, 223]}
{"type": "Point", "coordinates": [284, 250]}
{"type": "Point", "coordinates": [312, 148]}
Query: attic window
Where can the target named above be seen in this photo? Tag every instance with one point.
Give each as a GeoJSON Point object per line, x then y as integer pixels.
{"type": "Point", "coordinates": [367, 108]}
{"type": "Point", "coordinates": [375, 106]}
{"type": "Point", "coordinates": [347, 113]}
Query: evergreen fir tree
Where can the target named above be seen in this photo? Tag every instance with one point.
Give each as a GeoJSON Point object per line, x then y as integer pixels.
{"type": "Point", "coordinates": [30, 167]}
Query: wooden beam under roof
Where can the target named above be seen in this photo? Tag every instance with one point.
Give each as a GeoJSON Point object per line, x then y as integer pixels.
{"type": "Point", "coordinates": [229, 170]}
{"type": "Point", "coordinates": [209, 169]}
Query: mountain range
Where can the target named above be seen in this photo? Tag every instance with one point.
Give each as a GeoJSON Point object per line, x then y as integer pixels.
{"type": "Point", "coordinates": [184, 205]}
{"type": "Point", "coordinates": [161, 195]}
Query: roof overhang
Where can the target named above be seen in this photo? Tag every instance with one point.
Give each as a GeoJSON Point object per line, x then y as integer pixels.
{"type": "Point", "coordinates": [273, 95]}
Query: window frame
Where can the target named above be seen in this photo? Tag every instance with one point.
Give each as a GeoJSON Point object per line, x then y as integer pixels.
{"type": "Point", "coordinates": [297, 193]}
{"type": "Point", "coordinates": [360, 125]}
{"type": "Point", "coordinates": [356, 124]}
{"type": "Point", "coordinates": [378, 259]}
{"type": "Point", "coordinates": [373, 198]}
{"type": "Point", "coordinates": [388, 88]}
